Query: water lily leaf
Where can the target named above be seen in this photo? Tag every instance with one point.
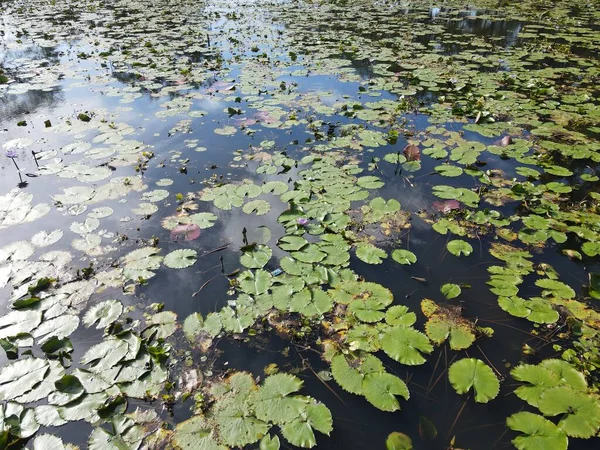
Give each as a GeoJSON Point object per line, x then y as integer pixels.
{"type": "Point", "coordinates": [398, 441]}
{"type": "Point", "coordinates": [538, 432]}
{"type": "Point", "coordinates": [196, 433]}
{"type": "Point", "coordinates": [555, 288]}
{"type": "Point", "coordinates": [535, 309]}
{"type": "Point", "coordinates": [383, 207]}
{"type": "Point", "coordinates": [591, 248]}
{"type": "Point", "coordinates": [406, 345]}
{"type": "Point", "coordinates": [257, 257]}
{"type": "Point", "coordinates": [291, 243]}
{"type": "Point", "coordinates": [546, 375]}
{"type": "Point", "coordinates": [258, 207]}
{"type": "Point", "coordinates": [269, 443]}
{"type": "Point", "coordinates": [473, 373]}
{"type": "Point", "coordinates": [43, 239]}
{"type": "Point", "coordinates": [164, 182]}
{"type": "Point", "coordinates": [449, 171]}
{"type": "Point", "coordinates": [370, 182]}
{"type": "Point", "coordinates": [162, 324]}
{"type": "Point", "coordinates": [103, 314]}
{"type": "Point", "coordinates": [450, 290]}
{"type": "Point", "coordinates": [274, 187]}
{"type": "Point", "coordinates": [17, 251]}
{"type": "Point", "coordinates": [427, 429]}
{"type": "Point", "coordinates": [226, 130]}
{"type": "Point", "coordinates": [255, 283]}
{"type": "Point", "coordinates": [156, 195]}
{"type": "Point", "coordinates": [368, 309]}
{"type": "Point", "coordinates": [106, 354]}
{"type": "Point", "coordinates": [17, 322]}
{"type": "Point", "coordinates": [447, 321]}
{"type": "Point", "coordinates": [309, 254]}
{"type": "Point", "coordinates": [458, 247]}
{"type": "Point", "coordinates": [274, 402]}
{"type": "Point", "coordinates": [248, 190]}
{"type": "Point", "coordinates": [203, 220]}
{"type": "Point", "coordinates": [370, 254]}
{"type": "Point", "coordinates": [188, 232]}
{"type": "Point", "coordinates": [350, 376]}
{"type": "Point", "coordinates": [101, 439]}
{"type": "Point", "coordinates": [394, 158]}
{"type": "Point", "coordinates": [404, 256]}
{"type": "Point", "coordinates": [582, 411]}
{"type": "Point", "coordinates": [381, 389]}
{"type": "Point", "coordinates": [143, 259]}
{"type": "Point", "coordinates": [299, 432]}
{"type": "Point", "coordinates": [60, 327]}
{"type": "Point", "coordinates": [145, 209]}
{"type": "Point", "coordinates": [180, 259]}
{"type": "Point", "coordinates": [594, 285]}
{"type": "Point", "coordinates": [20, 377]}
{"type": "Point", "coordinates": [400, 315]}
{"type": "Point", "coordinates": [49, 442]}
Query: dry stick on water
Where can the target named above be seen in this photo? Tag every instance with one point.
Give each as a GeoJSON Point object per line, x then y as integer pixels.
{"type": "Point", "coordinates": [489, 362]}
{"type": "Point", "coordinates": [433, 372]}
{"type": "Point", "coordinates": [457, 417]}
{"type": "Point", "coordinates": [214, 250]}
{"type": "Point", "coordinates": [205, 284]}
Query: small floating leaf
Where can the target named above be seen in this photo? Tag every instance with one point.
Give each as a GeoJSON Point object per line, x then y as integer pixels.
{"type": "Point", "coordinates": [404, 256]}
{"type": "Point", "coordinates": [180, 259]}
{"type": "Point", "coordinates": [258, 207]}
{"type": "Point", "coordinates": [103, 314]}
{"type": "Point", "coordinates": [398, 441]}
{"type": "Point", "coordinates": [473, 373]}
{"type": "Point", "coordinates": [458, 247]}
{"type": "Point", "coordinates": [450, 290]}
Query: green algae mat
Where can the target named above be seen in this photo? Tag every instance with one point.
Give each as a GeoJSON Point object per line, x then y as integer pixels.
{"type": "Point", "coordinates": [296, 224]}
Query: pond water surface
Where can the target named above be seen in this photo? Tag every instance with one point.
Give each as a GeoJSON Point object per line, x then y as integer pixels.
{"type": "Point", "coordinates": [357, 194]}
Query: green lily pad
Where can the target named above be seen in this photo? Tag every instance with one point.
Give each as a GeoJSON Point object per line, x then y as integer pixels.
{"type": "Point", "coordinates": [473, 373]}
{"type": "Point", "coordinates": [406, 345]}
{"type": "Point", "coordinates": [458, 247]}
{"type": "Point", "coordinates": [180, 259]}
{"type": "Point", "coordinates": [370, 254]}
{"type": "Point", "coordinates": [538, 432]}
{"type": "Point", "coordinates": [404, 256]}
{"type": "Point", "coordinates": [380, 389]}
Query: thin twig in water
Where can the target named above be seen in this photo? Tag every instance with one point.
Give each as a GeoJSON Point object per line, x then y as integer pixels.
{"type": "Point", "coordinates": [214, 250]}
{"type": "Point", "coordinates": [457, 417]}
{"type": "Point", "coordinates": [307, 364]}
{"type": "Point", "coordinates": [489, 362]}
{"type": "Point", "coordinates": [205, 284]}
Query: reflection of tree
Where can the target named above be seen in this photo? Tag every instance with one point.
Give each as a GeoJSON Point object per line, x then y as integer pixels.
{"type": "Point", "coordinates": [14, 106]}
{"type": "Point", "coordinates": [467, 22]}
